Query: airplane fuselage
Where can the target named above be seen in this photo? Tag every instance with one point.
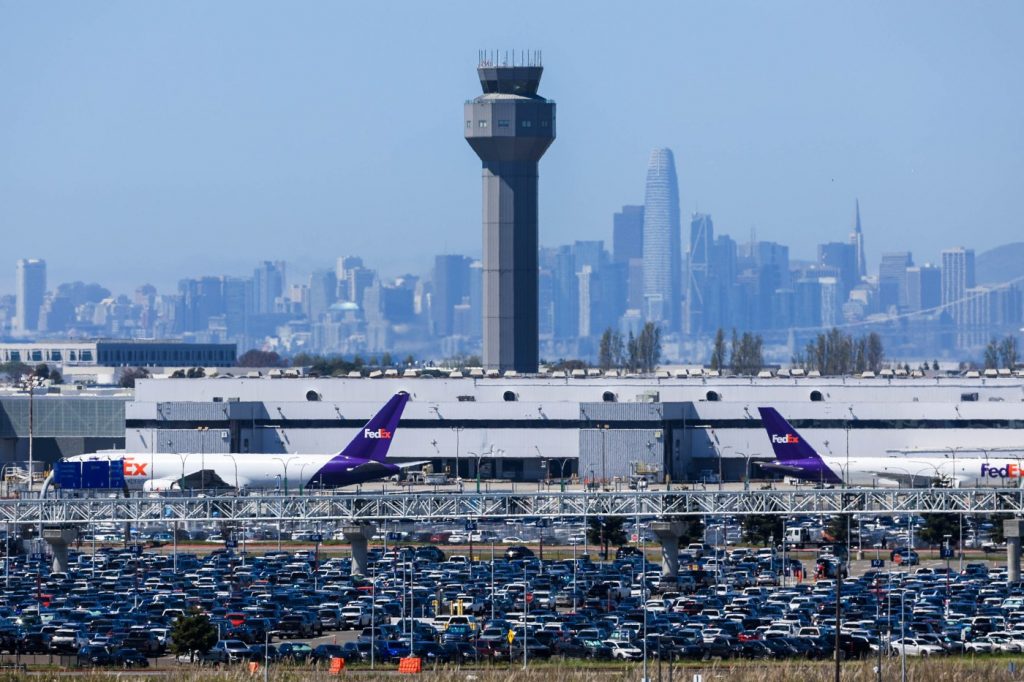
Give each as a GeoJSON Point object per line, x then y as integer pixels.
{"type": "Point", "coordinates": [913, 471]}
{"type": "Point", "coordinates": [165, 471]}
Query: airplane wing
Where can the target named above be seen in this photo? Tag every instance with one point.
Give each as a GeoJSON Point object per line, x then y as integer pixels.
{"type": "Point", "coordinates": [205, 479]}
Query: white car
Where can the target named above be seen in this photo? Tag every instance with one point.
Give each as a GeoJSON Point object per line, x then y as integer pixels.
{"type": "Point", "coordinates": [914, 647]}
{"type": "Point", "coordinates": [624, 650]}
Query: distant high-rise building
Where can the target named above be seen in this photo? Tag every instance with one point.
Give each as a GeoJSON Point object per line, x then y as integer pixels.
{"type": "Point", "coordinates": [510, 127]}
{"type": "Point", "coordinates": [698, 272]}
{"type": "Point", "coordinates": [957, 278]}
{"type": "Point", "coordinates": [238, 300]}
{"type": "Point", "coordinates": [628, 234]}
{"type": "Point", "coordinates": [323, 291]}
{"type": "Point", "coordinates": [564, 294]}
{"type": "Point", "coordinates": [841, 259]}
{"type": "Point", "coordinates": [451, 288]}
{"type": "Point", "coordinates": [346, 270]}
{"type": "Point", "coordinates": [661, 250]}
{"type": "Point", "coordinates": [30, 291]}
{"type": "Point", "coordinates": [857, 240]}
{"type": "Point", "coordinates": [268, 286]}
{"type": "Point", "coordinates": [924, 287]}
{"type": "Point", "coordinates": [892, 280]}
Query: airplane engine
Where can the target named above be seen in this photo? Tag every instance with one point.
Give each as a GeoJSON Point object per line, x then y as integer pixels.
{"type": "Point", "coordinates": [159, 485]}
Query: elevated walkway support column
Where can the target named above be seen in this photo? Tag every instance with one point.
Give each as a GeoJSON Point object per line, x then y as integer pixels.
{"type": "Point", "coordinates": [358, 535]}
{"type": "Point", "coordinates": [668, 534]}
{"type": "Point", "coordinates": [1011, 530]}
{"type": "Point", "coordinates": [59, 539]}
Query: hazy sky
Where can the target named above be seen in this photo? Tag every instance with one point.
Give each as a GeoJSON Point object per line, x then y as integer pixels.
{"type": "Point", "coordinates": [148, 141]}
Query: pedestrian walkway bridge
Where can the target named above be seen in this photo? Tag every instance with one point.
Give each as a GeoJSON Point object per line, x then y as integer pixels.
{"type": "Point", "coordinates": [429, 506]}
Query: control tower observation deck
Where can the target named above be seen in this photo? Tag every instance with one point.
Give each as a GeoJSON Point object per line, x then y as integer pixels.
{"type": "Point", "coordinates": [510, 127]}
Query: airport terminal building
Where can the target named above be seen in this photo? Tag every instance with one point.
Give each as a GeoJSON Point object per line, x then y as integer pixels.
{"type": "Point", "coordinates": [599, 428]}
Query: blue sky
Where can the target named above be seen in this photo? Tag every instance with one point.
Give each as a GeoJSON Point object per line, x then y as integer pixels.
{"type": "Point", "coordinates": [146, 141]}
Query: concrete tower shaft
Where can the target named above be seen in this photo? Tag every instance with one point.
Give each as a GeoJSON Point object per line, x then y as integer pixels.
{"type": "Point", "coordinates": [510, 127]}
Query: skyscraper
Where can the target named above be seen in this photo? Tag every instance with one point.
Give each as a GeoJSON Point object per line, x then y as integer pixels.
{"type": "Point", "coordinates": [451, 287]}
{"type": "Point", "coordinates": [30, 290]}
{"type": "Point", "coordinates": [924, 287]}
{"type": "Point", "coordinates": [857, 240]}
{"type": "Point", "coordinates": [698, 271]}
{"type": "Point", "coordinates": [268, 286]}
{"type": "Point", "coordinates": [628, 234]}
{"type": "Point", "coordinates": [662, 253]}
{"type": "Point", "coordinates": [892, 280]}
{"type": "Point", "coordinates": [957, 278]}
{"type": "Point", "coordinates": [510, 127]}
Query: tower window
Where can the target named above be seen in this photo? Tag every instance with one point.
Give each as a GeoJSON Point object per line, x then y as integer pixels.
{"type": "Point", "coordinates": [482, 124]}
{"type": "Point", "coordinates": [526, 124]}
{"type": "Point", "coordinates": [502, 123]}
{"type": "Point", "coordinates": [543, 124]}
{"type": "Point", "coordinates": [469, 124]}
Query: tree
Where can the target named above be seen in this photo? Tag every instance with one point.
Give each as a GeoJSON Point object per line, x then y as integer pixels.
{"type": "Point", "coordinates": [133, 374]}
{"type": "Point", "coordinates": [937, 526]}
{"type": "Point", "coordinates": [836, 529]}
{"type": "Point", "coordinates": [718, 351]}
{"type": "Point", "coordinates": [693, 530]}
{"type": "Point", "coordinates": [760, 529]}
{"type": "Point", "coordinates": [605, 531]}
{"type": "Point", "coordinates": [56, 377]}
{"type": "Point", "coordinates": [649, 347]}
{"type": "Point", "coordinates": [42, 371]}
{"type": "Point", "coordinates": [386, 360]}
{"type": "Point", "coordinates": [1008, 352]}
{"type": "Point", "coordinates": [633, 348]}
{"type": "Point", "coordinates": [605, 352]}
{"type": "Point", "coordinates": [14, 370]}
{"type": "Point", "coordinates": [876, 354]}
{"type": "Point", "coordinates": [748, 357]}
{"type": "Point", "coordinates": [260, 358]}
{"type": "Point", "coordinates": [193, 633]}
{"type": "Point", "coordinates": [992, 354]}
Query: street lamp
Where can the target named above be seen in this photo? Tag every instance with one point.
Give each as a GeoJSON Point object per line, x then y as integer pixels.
{"type": "Point", "coordinates": [284, 465]}
{"type": "Point", "coordinates": [604, 470]}
{"type": "Point", "coordinates": [561, 474]}
{"type": "Point", "coordinates": [235, 462]}
{"type": "Point", "coordinates": [302, 480]}
{"type": "Point", "coordinates": [202, 458]}
{"type": "Point", "coordinates": [28, 384]}
{"type": "Point", "coordinates": [457, 430]}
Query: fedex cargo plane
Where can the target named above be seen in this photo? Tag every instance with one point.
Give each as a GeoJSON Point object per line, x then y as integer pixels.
{"type": "Point", "coordinates": [795, 457]}
{"type": "Point", "coordinates": [364, 459]}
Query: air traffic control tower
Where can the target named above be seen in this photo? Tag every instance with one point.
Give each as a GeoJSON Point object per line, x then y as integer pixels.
{"type": "Point", "coordinates": [510, 127]}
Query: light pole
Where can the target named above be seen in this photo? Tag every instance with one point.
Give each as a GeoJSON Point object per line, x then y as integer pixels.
{"type": "Point", "coordinates": [235, 462]}
{"type": "Point", "coordinates": [746, 469]}
{"type": "Point", "coordinates": [604, 470]}
{"type": "Point", "coordinates": [457, 430]}
{"type": "Point", "coordinates": [284, 465]}
{"type": "Point", "coordinates": [29, 383]}
{"type": "Point", "coordinates": [202, 458]}
{"type": "Point", "coordinates": [561, 475]}
{"type": "Point", "coordinates": [302, 479]}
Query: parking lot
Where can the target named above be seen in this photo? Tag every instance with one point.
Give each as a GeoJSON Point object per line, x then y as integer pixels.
{"type": "Point", "coordinates": [436, 594]}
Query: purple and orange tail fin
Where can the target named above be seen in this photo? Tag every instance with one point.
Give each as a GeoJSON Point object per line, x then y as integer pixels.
{"type": "Point", "coordinates": [374, 439]}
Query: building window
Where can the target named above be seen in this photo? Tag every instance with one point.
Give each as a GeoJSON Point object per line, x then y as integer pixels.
{"type": "Point", "coordinates": [469, 124]}
{"type": "Point", "coordinates": [482, 124]}
{"type": "Point", "coordinates": [543, 124]}
{"type": "Point", "coordinates": [502, 123]}
{"type": "Point", "coordinates": [526, 124]}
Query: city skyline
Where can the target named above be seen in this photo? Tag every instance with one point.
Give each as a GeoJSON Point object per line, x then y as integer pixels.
{"type": "Point", "coordinates": [143, 127]}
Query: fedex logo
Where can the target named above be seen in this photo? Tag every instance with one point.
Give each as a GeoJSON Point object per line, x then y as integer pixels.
{"type": "Point", "coordinates": [1008, 471]}
{"type": "Point", "coordinates": [381, 433]}
{"type": "Point", "coordinates": [788, 439]}
{"type": "Point", "coordinates": [134, 468]}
